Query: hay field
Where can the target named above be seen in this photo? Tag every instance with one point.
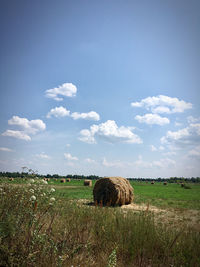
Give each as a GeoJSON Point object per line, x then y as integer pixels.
{"type": "Point", "coordinates": [56, 224]}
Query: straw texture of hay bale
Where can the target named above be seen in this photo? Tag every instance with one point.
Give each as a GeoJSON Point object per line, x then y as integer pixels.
{"type": "Point", "coordinates": [88, 182]}
{"type": "Point", "coordinates": [152, 182]}
{"type": "Point", "coordinates": [62, 180]}
{"type": "Point", "coordinates": [113, 191]}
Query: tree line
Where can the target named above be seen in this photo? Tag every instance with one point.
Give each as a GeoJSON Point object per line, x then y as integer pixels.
{"type": "Point", "coordinates": [95, 177]}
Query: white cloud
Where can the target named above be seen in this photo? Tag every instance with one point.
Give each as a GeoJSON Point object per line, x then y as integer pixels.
{"type": "Point", "coordinates": [87, 136]}
{"type": "Point", "coordinates": [68, 145]}
{"type": "Point", "coordinates": [152, 119]}
{"type": "Point", "coordinates": [66, 89]}
{"type": "Point", "coordinates": [29, 127]}
{"type": "Point", "coordinates": [58, 112]}
{"type": "Point", "coordinates": [117, 163]}
{"type": "Point", "coordinates": [186, 136]}
{"type": "Point", "coordinates": [164, 163]}
{"type": "Point", "coordinates": [68, 156]}
{"type": "Point", "coordinates": [43, 156]}
{"type": "Point", "coordinates": [32, 126]}
{"type": "Point", "coordinates": [17, 134]}
{"type": "Point", "coordinates": [153, 148]}
{"type": "Point", "coordinates": [6, 149]}
{"type": "Point", "coordinates": [191, 119]}
{"type": "Point", "coordinates": [110, 132]}
{"type": "Point", "coordinates": [163, 104]}
{"type": "Point", "coordinates": [195, 153]}
{"type": "Point", "coordinates": [92, 115]}
{"type": "Point", "coordinates": [88, 160]}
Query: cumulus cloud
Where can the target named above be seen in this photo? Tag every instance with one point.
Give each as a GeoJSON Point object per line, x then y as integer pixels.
{"type": "Point", "coordinates": [43, 156]}
{"type": "Point", "coordinates": [17, 134]}
{"type": "Point", "coordinates": [69, 157]}
{"type": "Point", "coordinates": [186, 136]}
{"type": "Point", "coordinates": [152, 119]}
{"type": "Point", "coordinates": [66, 89]}
{"type": "Point", "coordinates": [110, 132]}
{"type": "Point", "coordinates": [92, 115]}
{"type": "Point", "coordinates": [32, 126]}
{"type": "Point", "coordinates": [63, 112]}
{"type": "Point", "coordinates": [58, 112]}
{"type": "Point", "coordinates": [6, 149]}
{"type": "Point", "coordinates": [28, 128]}
{"type": "Point", "coordinates": [163, 104]}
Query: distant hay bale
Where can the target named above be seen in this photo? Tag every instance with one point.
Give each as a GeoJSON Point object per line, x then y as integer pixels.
{"type": "Point", "coordinates": [68, 180]}
{"type": "Point", "coordinates": [88, 182]}
{"type": "Point", "coordinates": [182, 184]}
{"type": "Point", "coordinates": [152, 182]}
{"type": "Point", "coordinates": [11, 179]}
{"type": "Point", "coordinates": [62, 180]}
{"type": "Point", "coordinates": [112, 191]}
{"type": "Point", "coordinates": [165, 183]}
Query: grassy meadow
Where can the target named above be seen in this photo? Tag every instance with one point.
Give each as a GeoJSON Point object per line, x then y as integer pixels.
{"type": "Point", "coordinates": [55, 224]}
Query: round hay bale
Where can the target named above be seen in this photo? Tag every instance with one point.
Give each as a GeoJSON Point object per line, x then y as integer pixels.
{"type": "Point", "coordinates": [112, 191]}
{"type": "Point", "coordinates": [62, 180]}
{"type": "Point", "coordinates": [11, 179]}
{"type": "Point", "coordinates": [165, 183]}
{"type": "Point", "coordinates": [88, 182]}
{"type": "Point", "coordinates": [68, 180]}
{"type": "Point", "coordinates": [152, 182]}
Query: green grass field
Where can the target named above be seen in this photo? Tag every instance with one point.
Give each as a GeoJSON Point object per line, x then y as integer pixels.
{"type": "Point", "coordinates": [172, 195]}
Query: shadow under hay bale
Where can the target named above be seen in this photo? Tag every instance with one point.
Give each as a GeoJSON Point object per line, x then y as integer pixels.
{"type": "Point", "coordinates": [113, 191]}
{"type": "Point", "coordinates": [88, 182]}
{"type": "Point", "coordinates": [62, 180]}
{"type": "Point", "coordinates": [68, 180]}
{"type": "Point", "coordinates": [152, 182]}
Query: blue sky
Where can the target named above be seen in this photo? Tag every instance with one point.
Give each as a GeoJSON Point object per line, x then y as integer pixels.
{"type": "Point", "coordinates": [100, 87]}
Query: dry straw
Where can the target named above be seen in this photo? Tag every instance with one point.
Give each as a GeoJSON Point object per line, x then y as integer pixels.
{"type": "Point", "coordinates": [88, 182]}
{"type": "Point", "coordinates": [112, 191]}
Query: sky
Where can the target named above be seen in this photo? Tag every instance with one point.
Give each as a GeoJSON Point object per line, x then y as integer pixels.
{"type": "Point", "coordinates": [109, 88]}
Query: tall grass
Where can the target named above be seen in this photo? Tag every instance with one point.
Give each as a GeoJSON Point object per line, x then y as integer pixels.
{"type": "Point", "coordinates": [40, 232]}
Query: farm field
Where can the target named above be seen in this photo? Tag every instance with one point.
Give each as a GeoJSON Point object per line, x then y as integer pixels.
{"type": "Point", "coordinates": [161, 227]}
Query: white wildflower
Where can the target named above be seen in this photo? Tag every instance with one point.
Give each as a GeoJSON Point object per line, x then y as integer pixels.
{"type": "Point", "coordinates": [52, 190]}
{"type": "Point", "coordinates": [31, 191]}
{"type": "Point", "coordinates": [31, 181]}
{"type": "Point", "coordinates": [32, 198]}
{"type": "Point", "coordinates": [52, 199]}
{"type": "Point", "coordinates": [44, 182]}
